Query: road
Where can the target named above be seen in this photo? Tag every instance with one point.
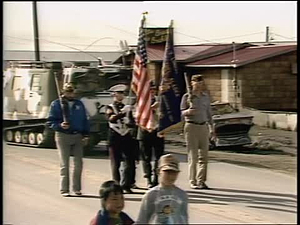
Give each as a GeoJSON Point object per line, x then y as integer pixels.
{"type": "Point", "coordinates": [238, 195]}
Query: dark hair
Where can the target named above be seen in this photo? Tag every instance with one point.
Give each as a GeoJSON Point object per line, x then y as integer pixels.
{"type": "Point", "coordinates": [108, 187]}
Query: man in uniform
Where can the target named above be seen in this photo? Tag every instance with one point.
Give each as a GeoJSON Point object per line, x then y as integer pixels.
{"type": "Point", "coordinates": [67, 117]}
{"type": "Point", "coordinates": [196, 109]}
{"type": "Point", "coordinates": [120, 141]}
{"type": "Point", "coordinates": [150, 142]}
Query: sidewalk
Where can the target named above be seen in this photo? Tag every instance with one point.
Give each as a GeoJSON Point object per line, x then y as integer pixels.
{"type": "Point", "coordinates": [262, 137]}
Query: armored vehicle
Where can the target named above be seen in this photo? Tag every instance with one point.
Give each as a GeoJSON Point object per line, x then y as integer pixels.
{"type": "Point", "coordinates": [30, 86]}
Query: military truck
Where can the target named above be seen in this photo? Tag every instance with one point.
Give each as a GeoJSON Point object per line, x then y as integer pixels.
{"type": "Point", "coordinates": [30, 86]}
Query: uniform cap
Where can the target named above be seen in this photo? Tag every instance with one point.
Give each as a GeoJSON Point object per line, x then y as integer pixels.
{"type": "Point", "coordinates": [68, 87]}
{"type": "Point", "coordinates": [168, 162]}
{"type": "Point", "coordinates": [118, 88]}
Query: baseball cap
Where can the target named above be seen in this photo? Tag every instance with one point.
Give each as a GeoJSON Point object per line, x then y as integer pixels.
{"type": "Point", "coordinates": [68, 87]}
{"type": "Point", "coordinates": [197, 78]}
{"type": "Point", "coordinates": [168, 162]}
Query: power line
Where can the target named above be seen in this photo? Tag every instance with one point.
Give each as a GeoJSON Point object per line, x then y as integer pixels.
{"type": "Point", "coordinates": [283, 36]}
{"type": "Point", "coordinates": [66, 44]}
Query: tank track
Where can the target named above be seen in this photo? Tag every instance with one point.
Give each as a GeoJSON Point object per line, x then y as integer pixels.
{"type": "Point", "coordinates": [30, 135]}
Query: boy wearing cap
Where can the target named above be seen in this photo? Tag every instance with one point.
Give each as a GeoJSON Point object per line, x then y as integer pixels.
{"type": "Point", "coordinates": [71, 131]}
{"type": "Point", "coordinates": [165, 203]}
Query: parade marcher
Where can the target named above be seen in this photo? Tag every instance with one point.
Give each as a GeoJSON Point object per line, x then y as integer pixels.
{"type": "Point", "coordinates": [121, 144]}
{"type": "Point", "coordinates": [196, 109]}
{"type": "Point", "coordinates": [165, 203]}
{"type": "Point", "coordinates": [112, 202]}
{"type": "Point", "coordinates": [150, 142]}
{"type": "Point", "coordinates": [70, 136]}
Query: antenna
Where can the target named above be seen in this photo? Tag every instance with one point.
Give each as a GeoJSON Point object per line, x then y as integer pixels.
{"type": "Point", "coordinates": [126, 46]}
{"type": "Point", "coordinates": [233, 52]}
{"type": "Point", "coordinates": [122, 45]}
{"type": "Point", "coordinates": [267, 35]}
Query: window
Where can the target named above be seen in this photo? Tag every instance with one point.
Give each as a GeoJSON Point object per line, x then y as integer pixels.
{"type": "Point", "coordinates": [17, 83]}
{"type": "Point", "coordinates": [36, 82]}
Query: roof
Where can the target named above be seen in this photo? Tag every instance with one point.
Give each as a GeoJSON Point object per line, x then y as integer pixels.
{"type": "Point", "coordinates": [244, 56]}
{"type": "Point", "coordinates": [10, 55]}
{"type": "Point", "coordinates": [189, 53]}
{"type": "Point", "coordinates": [182, 52]}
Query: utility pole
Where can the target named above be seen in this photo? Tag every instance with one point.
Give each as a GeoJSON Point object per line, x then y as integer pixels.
{"type": "Point", "coordinates": [267, 35]}
{"type": "Point", "coordinates": [36, 32]}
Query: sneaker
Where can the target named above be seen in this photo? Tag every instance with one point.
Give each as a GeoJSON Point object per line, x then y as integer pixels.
{"type": "Point", "coordinates": [194, 186]}
{"type": "Point", "coordinates": [65, 194]}
{"type": "Point", "coordinates": [78, 193]}
{"type": "Point", "coordinates": [203, 186]}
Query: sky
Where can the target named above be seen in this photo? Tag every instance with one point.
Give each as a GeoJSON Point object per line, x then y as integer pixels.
{"type": "Point", "coordinates": [100, 25]}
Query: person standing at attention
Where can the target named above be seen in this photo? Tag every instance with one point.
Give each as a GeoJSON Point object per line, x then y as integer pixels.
{"type": "Point", "coordinates": [196, 109]}
{"type": "Point", "coordinates": [165, 203]}
{"type": "Point", "coordinates": [151, 142]}
{"type": "Point", "coordinates": [69, 136]}
{"type": "Point", "coordinates": [120, 142]}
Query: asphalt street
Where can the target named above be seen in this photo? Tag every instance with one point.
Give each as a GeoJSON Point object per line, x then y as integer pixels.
{"type": "Point", "coordinates": [238, 195]}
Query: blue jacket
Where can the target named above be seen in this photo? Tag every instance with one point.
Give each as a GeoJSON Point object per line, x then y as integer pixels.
{"type": "Point", "coordinates": [77, 118]}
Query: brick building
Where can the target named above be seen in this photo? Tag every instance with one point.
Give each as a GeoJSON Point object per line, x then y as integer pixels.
{"type": "Point", "coordinates": [260, 77]}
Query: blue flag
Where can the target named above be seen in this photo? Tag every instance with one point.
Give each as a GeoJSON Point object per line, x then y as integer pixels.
{"type": "Point", "coordinates": [171, 87]}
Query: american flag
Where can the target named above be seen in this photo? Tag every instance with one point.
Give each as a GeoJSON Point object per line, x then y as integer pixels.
{"type": "Point", "coordinates": [141, 82]}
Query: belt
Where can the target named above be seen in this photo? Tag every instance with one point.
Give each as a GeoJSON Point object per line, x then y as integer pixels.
{"type": "Point", "coordinates": [70, 132]}
{"type": "Point", "coordinates": [196, 123]}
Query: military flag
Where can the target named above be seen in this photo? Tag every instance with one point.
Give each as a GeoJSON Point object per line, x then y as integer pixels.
{"type": "Point", "coordinates": [140, 83]}
{"type": "Point", "coordinates": [171, 89]}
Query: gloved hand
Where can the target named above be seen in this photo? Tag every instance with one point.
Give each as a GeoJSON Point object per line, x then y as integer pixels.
{"type": "Point", "coordinates": [126, 109]}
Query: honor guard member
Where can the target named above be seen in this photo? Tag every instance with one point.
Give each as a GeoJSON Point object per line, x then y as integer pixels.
{"type": "Point", "coordinates": [196, 109]}
{"type": "Point", "coordinates": [120, 141]}
{"type": "Point", "coordinates": [150, 142]}
{"type": "Point", "coordinates": [68, 118]}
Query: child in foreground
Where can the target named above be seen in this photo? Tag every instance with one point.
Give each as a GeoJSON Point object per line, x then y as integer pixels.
{"type": "Point", "coordinates": [165, 203]}
{"type": "Point", "coordinates": [112, 201]}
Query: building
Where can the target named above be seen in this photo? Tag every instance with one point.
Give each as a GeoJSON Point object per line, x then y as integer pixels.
{"type": "Point", "coordinates": [260, 76]}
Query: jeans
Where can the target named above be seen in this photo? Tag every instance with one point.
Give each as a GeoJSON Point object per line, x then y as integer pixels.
{"type": "Point", "coordinates": [67, 144]}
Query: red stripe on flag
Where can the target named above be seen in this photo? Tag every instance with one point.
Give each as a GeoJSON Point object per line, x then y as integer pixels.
{"type": "Point", "coordinates": [141, 82]}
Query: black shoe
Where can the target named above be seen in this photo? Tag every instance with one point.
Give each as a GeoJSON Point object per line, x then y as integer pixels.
{"type": "Point", "coordinates": [78, 193]}
{"type": "Point", "coordinates": [150, 185]}
{"type": "Point", "coordinates": [133, 186]}
{"type": "Point", "coordinates": [128, 191]}
{"type": "Point", "coordinates": [203, 186]}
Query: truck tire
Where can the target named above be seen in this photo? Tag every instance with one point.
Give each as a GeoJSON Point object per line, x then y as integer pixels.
{"type": "Point", "coordinates": [32, 138]}
{"type": "Point", "coordinates": [18, 136]}
{"type": "Point", "coordinates": [39, 138]}
{"type": "Point", "coordinates": [9, 136]}
{"type": "Point", "coordinates": [24, 137]}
